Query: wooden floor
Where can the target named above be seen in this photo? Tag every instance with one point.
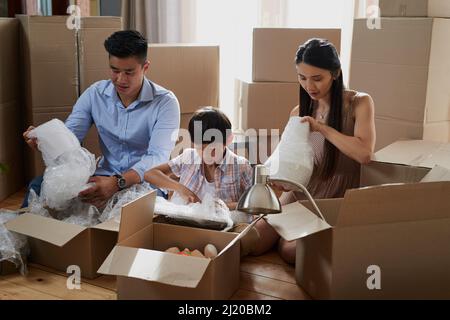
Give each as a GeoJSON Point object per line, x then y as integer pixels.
{"type": "Point", "coordinates": [266, 277]}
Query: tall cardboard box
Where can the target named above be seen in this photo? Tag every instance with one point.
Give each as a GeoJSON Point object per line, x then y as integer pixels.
{"type": "Point", "coordinates": [11, 142]}
{"type": "Point", "coordinates": [49, 74]}
{"type": "Point", "coordinates": [376, 243]}
{"type": "Point", "coordinates": [146, 272]}
{"type": "Point", "coordinates": [94, 61]}
{"type": "Point", "coordinates": [191, 71]}
{"type": "Point", "coordinates": [265, 105]}
{"type": "Point", "coordinates": [58, 64]}
{"type": "Point", "coordinates": [439, 8]}
{"type": "Point", "coordinates": [93, 58]}
{"type": "Point", "coordinates": [405, 162]}
{"type": "Point", "coordinates": [59, 245]}
{"type": "Point", "coordinates": [405, 67]}
{"type": "Point", "coordinates": [274, 51]}
{"type": "Point", "coordinates": [403, 8]}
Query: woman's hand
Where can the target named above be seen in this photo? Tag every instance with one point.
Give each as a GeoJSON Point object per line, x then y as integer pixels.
{"type": "Point", "coordinates": [187, 194]}
{"type": "Point", "coordinates": [314, 125]}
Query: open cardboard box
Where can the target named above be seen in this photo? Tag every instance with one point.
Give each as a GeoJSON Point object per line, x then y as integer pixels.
{"type": "Point", "coordinates": [58, 244]}
{"type": "Point", "coordinates": [405, 162]}
{"type": "Point", "coordinates": [7, 268]}
{"type": "Point", "coordinates": [403, 229]}
{"type": "Point", "coordinates": [146, 272]}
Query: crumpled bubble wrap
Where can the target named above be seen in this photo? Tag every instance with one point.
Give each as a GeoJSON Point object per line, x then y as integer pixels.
{"type": "Point", "coordinates": [209, 213]}
{"type": "Point", "coordinates": [13, 247]}
{"type": "Point", "coordinates": [69, 166]}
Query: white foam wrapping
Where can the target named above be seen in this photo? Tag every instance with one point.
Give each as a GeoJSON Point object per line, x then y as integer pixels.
{"type": "Point", "coordinates": [293, 159]}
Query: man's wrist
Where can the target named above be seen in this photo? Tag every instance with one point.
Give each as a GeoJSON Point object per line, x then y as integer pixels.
{"type": "Point", "coordinates": [121, 183]}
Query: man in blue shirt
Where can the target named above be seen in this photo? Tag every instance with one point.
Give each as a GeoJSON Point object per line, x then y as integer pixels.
{"type": "Point", "coordinates": [137, 120]}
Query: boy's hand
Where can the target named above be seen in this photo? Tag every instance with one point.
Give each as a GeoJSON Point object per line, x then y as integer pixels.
{"type": "Point", "coordinates": [188, 195]}
{"type": "Point", "coordinates": [32, 142]}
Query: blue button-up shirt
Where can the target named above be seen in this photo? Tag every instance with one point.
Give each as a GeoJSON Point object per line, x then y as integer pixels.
{"type": "Point", "coordinates": [139, 137]}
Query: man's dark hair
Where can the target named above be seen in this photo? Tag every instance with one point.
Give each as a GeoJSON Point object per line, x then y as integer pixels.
{"type": "Point", "coordinates": [125, 44]}
{"type": "Point", "coordinates": [209, 118]}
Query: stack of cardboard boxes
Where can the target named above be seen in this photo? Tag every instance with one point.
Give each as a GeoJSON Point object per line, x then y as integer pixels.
{"type": "Point", "coordinates": [265, 102]}
{"type": "Point", "coordinates": [11, 142]}
{"type": "Point", "coordinates": [405, 66]}
{"type": "Point", "coordinates": [58, 64]}
{"type": "Point", "coordinates": [191, 72]}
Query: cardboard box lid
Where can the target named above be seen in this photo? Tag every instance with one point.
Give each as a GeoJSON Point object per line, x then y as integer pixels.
{"type": "Point", "coordinates": [155, 266]}
{"type": "Point", "coordinates": [373, 205]}
{"type": "Point", "coordinates": [46, 229]}
{"type": "Point", "coordinates": [296, 222]}
{"type": "Point", "coordinates": [438, 173]}
{"type": "Point", "coordinates": [137, 215]}
{"type": "Point", "coordinates": [395, 203]}
{"type": "Point", "coordinates": [417, 153]}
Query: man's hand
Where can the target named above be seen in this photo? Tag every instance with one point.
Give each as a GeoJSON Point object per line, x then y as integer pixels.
{"type": "Point", "coordinates": [32, 142]}
{"type": "Point", "coordinates": [98, 195]}
{"type": "Point", "coordinates": [187, 194]}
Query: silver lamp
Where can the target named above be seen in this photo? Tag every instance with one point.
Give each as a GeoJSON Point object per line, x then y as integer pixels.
{"type": "Point", "coordinates": [260, 199]}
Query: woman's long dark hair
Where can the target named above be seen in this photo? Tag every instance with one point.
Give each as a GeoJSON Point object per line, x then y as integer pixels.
{"type": "Point", "coordinates": [322, 54]}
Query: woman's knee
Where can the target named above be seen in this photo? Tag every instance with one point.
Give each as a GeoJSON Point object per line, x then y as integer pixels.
{"type": "Point", "coordinates": [267, 238]}
{"type": "Point", "coordinates": [286, 250]}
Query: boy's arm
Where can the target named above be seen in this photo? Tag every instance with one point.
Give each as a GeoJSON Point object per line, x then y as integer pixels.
{"type": "Point", "coordinates": [163, 177]}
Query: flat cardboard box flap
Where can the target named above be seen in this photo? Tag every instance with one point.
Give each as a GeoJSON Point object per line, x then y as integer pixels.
{"type": "Point", "coordinates": [296, 222]}
{"type": "Point", "coordinates": [137, 215]}
{"type": "Point", "coordinates": [46, 229]}
{"type": "Point", "coordinates": [438, 173]}
{"type": "Point", "coordinates": [418, 153]}
{"type": "Point", "coordinates": [395, 203]}
{"type": "Point", "coordinates": [155, 266]}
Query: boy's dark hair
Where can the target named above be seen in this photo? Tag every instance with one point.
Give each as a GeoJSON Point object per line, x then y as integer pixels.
{"type": "Point", "coordinates": [209, 118]}
{"type": "Point", "coordinates": [128, 43]}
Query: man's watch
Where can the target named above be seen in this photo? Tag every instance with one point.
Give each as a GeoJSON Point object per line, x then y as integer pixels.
{"type": "Point", "coordinates": [121, 182]}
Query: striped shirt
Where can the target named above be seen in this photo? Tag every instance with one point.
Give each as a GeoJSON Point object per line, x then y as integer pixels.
{"type": "Point", "coordinates": [232, 177]}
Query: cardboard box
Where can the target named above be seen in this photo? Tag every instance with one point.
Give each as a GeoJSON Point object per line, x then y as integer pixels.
{"type": "Point", "coordinates": [391, 130]}
{"type": "Point", "coordinates": [145, 271]}
{"type": "Point", "coordinates": [405, 162]}
{"type": "Point", "coordinates": [439, 8]}
{"type": "Point", "coordinates": [403, 8]}
{"type": "Point", "coordinates": [93, 58]}
{"type": "Point", "coordinates": [405, 67]}
{"type": "Point", "coordinates": [265, 105]}
{"type": "Point", "coordinates": [190, 71]}
{"type": "Point", "coordinates": [438, 173]}
{"type": "Point", "coordinates": [58, 245]}
{"type": "Point", "coordinates": [56, 63]}
{"type": "Point", "coordinates": [274, 51]}
{"type": "Point", "coordinates": [11, 142]}
{"type": "Point", "coordinates": [9, 80]}
{"type": "Point", "coordinates": [11, 150]}
{"type": "Point", "coordinates": [49, 62]}
{"type": "Point", "coordinates": [384, 235]}
{"type": "Point", "coordinates": [7, 268]}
